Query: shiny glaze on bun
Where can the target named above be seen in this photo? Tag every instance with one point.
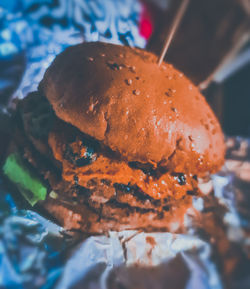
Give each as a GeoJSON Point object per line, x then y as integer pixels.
{"type": "Point", "coordinates": [145, 113]}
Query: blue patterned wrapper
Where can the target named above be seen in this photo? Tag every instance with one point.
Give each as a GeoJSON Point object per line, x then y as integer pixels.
{"type": "Point", "coordinates": [42, 29]}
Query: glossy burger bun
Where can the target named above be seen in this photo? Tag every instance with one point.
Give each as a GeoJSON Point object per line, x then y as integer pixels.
{"type": "Point", "coordinates": [145, 113]}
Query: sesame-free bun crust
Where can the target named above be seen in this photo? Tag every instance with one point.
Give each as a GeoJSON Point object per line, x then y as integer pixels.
{"type": "Point", "coordinates": [146, 113]}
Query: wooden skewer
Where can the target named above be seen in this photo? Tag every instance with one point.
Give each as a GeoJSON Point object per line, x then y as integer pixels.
{"type": "Point", "coordinates": [173, 29]}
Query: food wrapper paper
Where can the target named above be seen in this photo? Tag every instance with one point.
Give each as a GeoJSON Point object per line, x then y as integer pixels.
{"type": "Point", "coordinates": [33, 32]}
{"type": "Point", "coordinates": [36, 253]}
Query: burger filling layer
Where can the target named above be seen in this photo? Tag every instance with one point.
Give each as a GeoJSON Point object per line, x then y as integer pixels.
{"type": "Point", "coordinates": [86, 163]}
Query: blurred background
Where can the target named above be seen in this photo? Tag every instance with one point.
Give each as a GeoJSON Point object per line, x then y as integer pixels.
{"type": "Point", "coordinates": [212, 47]}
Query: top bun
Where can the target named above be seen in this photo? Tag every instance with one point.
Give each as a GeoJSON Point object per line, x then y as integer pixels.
{"type": "Point", "coordinates": [146, 113]}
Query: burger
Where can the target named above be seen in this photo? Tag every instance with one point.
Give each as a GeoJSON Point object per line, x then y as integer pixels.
{"type": "Point", "coordinates": [113, 141]}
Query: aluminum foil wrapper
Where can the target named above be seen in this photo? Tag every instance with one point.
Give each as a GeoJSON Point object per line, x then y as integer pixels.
{"type": "Point", "coordinates": [139, 260]}
{"type": "Point", "coordinates": [36, 253]}
{"type": "Point", "coordinates": [31, 247]}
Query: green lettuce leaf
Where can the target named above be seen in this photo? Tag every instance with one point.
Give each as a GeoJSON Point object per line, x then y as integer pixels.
{"type": "Point", "coordinates": [28, 184]}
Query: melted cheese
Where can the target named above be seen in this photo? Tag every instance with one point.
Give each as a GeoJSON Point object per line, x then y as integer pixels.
{"type": "Point", "coordinates": [116, 171]}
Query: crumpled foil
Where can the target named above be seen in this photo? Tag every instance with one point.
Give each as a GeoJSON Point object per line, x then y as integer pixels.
{"type": "Point", "coordinates": [38, 30]}
{"type": "Point", "coordinates": [31, 247]}
{"type": "Point", "coordinates": [120, 260]}
{"type": "Point", "coordinates": [36, 253]}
